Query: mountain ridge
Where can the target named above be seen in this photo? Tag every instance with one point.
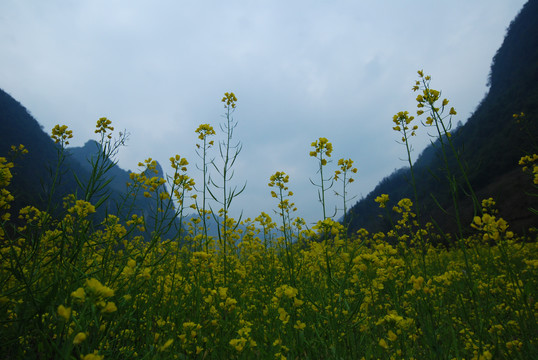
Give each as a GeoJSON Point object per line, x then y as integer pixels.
{"type": "Point", "coordinates": [490, 143]}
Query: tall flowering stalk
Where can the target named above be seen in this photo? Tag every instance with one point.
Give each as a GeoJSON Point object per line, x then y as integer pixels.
{"type": "Point", "coordinates": [102, 162]}
{"type": "Point", "coordinates": [322, 150]}
{"type": "Point", "coordinates": [61, 135]}
{"type": "Point", "coordinates": [279, 181]}
{"type": "Point", "coordinates": [440, 118]}
{"type": "Point", "coordinates": [228, 153]}
{"type": "Point", "coordinates": [204, 131]}
{"type": "Point", "coordinates": [182, 184]}
{"type": "Point", "coordinates": [345, 167]}
{"type": "Point", "coordinates": [402, 122]}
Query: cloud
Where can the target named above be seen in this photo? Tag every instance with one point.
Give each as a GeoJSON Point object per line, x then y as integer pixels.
{"type": "Point", "coordinates": [301, 70]}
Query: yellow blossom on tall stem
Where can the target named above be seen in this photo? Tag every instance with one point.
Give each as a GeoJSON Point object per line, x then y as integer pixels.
{"type": "Point", "coordinates": [279, 180]}
{"type": "Point", "coordinates": [438, 118]}
{"type": "Point", "coordinates": [204, 131]}
{"type": "Point", "coordinates": [322, 150]}
{"type": "Point", "coordinates": [104, 125]}
{"type": "Point", "coordinates": [345, 166]}
{"type": "Point", "coordinates": [61, 135]}
{"type": "Point", "coordinates": [229, 99]}
{"type": "Point", "coordinates": [402, 120]}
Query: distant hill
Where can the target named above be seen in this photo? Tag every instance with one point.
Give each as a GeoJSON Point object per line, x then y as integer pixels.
{"type": "Point", "coordinates": [33, 172]}
{"type": "Point", "coordinates": [490, 143]}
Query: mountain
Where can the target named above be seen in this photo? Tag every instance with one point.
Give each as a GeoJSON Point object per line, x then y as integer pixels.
{"type": "Point", "coordinates": [490, 143]}
{"type": "Point", "coordinates": [33, 172]}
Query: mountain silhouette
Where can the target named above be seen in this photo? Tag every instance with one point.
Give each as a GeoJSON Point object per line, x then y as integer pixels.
{"type": "Point", "coordinates": [490, 144]}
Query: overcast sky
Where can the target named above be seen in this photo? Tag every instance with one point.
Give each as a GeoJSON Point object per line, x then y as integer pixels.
{"type": "Point", "coordinates": [300, 69]}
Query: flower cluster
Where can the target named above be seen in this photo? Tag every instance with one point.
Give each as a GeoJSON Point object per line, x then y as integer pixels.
{"type": "Point", "coordinates": [428, 100]}
{"type": "Point", "coordinates": [382, 200]}
{"type": "Point", "coordinates": [322, 146]}
{"type": "Point", "coordinates": [229, 100]}
{"type": "Point", "coordinates": [182, 183]}
{"type": "Point", "coordinates": [104, 125]}
{"type": "Point", "coordinates": [5, 196]}
{"type": "Point", "coordinates": [402, 119]}
{"type": "Point", "coordinates": [530, 164]}
{"type": "Point", "coordinates": [279, 180]}
{"type": "Point", "coordinates": [205, 130]}
{"type": "Point", "coordinates": [519, 118]}
{"type": "Point", "coordinates": [345, 167]}
{"type": "Point", "coordinates": [60, 134]}
{"type": "Point", "coordinates": [143, 179]}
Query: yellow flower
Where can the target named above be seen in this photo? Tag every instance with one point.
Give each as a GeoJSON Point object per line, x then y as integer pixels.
{"type": "Point", "coordinates": [299, 325]}
{"type": "Point", "coordinates": [204, 130]}
{"type": "Point", "coordinates": [290, 292]}
{"type": "Point", "coordinates": [382, 200]}
{"type": "Point", "coordinates": [229, 100]}
{"type": "Point", "coordinates": [383, 344]}
{"type": "Point", "coordinates": [79, 338]}
{"type": "Point", "coordinates": [60, 134]}
{"type": "Point", "coordinates": [283, 315]}
{"type": "Point", "coordinates": [64, 312]}
{"type": "Point", "coordinates": [103, 124]}
{"type": "Point", "coordinates": [93, 356]}
{"type": "Point", "coordinates": [238, 344]}
{"type": "Point", "coordinates": [82, 208]}
{"type": "Point", "coordinates": [79, 294]}
{"type": "Point", "coordinates": [93, 285]}
{"type": "Point", "coordinates": [166, 345]}
{"type": "Point", "coordinates": [321, 146]}
{"type": "Point", "coordinates": [110, 307]}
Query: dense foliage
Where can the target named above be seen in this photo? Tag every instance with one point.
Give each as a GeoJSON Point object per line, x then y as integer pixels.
{"type": "Point", "coordinates": [72, 288]}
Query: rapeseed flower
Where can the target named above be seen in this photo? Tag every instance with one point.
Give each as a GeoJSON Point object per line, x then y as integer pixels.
{"type": "Point", "coordinates": [402, 120]}
{"type": "Point", "coordinates": [299, 325]}
{"type": "Point", "coordinates": [166, 345]}
{"type": "Point", "coordinates": [229, 100]}
{"type": "Point", "coordinates": [205, 130]}
{"type": "Point", "coordinates": [110, 307]}
{"type": "Point", "coordinates": [79, 338]}
{"type": "Point", "coordinates": [79, 295]}
{"type": "Point", "coordinates": [383, 344]}
{"type": "Point", "coordinates": [322, 146]}
{"type": "Point", "coordinates": [64, 312]}
{"type": "Point", "coordinates": [382, 200]}
{"type": "Point", "coordinates": [61, 134]}
{"type": "Point", "coordinates": [94, 286]}
{"type": "Point", "coordinates": [93, 356]}
{"type": "Point", "coordinates": [104, 125]}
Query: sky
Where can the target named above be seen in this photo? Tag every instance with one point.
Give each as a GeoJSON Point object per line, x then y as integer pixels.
{"type": "Point", "coordinates": [300, 69]}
